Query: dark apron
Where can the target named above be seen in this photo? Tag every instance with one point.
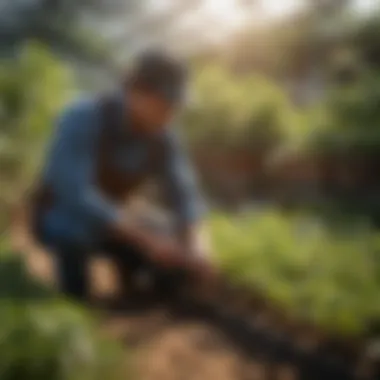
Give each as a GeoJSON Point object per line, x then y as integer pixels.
{"type": "Point", "coordinates": [113, 184]}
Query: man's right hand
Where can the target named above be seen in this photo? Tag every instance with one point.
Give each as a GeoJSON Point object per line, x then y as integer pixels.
{"type": "Point", "coordinates": [161, 250]}
{"type": "Point", "coordinates": [165, 252]}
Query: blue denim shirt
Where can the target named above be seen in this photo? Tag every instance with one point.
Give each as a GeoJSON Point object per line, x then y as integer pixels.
{"type": "Point", "coordinates": [80, 211]}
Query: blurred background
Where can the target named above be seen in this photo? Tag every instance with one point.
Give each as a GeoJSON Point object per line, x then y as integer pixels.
{"type": "Point", "coordinates": [283, 127]}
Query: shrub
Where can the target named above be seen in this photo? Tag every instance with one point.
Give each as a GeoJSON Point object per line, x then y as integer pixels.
{"type": "Point", "coordinates": [33, 85]}
{"type": "Point", "coordinates": [239, 111]}
{"type": "Point", "coordinates": [44, 337]}
{"type": "Point", "coordinates": [317, 273]}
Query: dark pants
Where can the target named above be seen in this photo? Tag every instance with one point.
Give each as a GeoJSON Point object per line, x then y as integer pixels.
{"type": "Point", "coordinates": [73, 275]}
{"type": "Point", "coordinates": [72, 265]}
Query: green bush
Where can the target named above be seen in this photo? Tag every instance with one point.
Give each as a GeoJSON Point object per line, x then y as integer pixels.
{"type": "Point", "coordinates": [44, 337]}
{"type": "Point", "coordinates": [314, 271]}
{"type": "Point", "coordinates": [53, 340]}
{"type": "Point", "coordinates": [347, 120]}
{"type": "Point", "coordinates": [33, 86]}
{"type": "Point", "coordinates": [239, 111]}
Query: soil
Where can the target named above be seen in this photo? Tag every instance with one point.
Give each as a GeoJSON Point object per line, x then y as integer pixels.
{"type": "Point", "coordinates": [239, 338]}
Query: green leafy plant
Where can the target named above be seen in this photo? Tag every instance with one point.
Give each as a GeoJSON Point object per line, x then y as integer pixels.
{"type": "Point", "coordinates": [45, 337]}
{"type": "Point", "coordinates": [314, 271]}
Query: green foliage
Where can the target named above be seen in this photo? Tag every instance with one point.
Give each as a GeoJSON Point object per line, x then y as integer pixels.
{"type": "Point", "coordinates": [352, 121]}
{"type": "Point", "coordinates": [365, 38]}
{"type": "Point", "coordinates": [316, 272]}
{"type": "Point", "coordinates": [43, 337]}
{"type": "Point", "coordinates": [52, 341]}
{"type": "Point", "coordinates": [32, 87]}
{"type": "Point", "coordinates": [63, 25]}
{"type": "Point", "coordinates": [240, 111]}
{"type": "Point", "coordinates": [15, 283]}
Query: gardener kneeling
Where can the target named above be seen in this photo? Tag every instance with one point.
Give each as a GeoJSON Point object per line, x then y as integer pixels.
{"type": "Point", "coordinates": [102, 150]}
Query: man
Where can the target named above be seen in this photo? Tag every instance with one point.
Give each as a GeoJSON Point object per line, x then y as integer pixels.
{"type": "Point", "coordinates": [102, 150]}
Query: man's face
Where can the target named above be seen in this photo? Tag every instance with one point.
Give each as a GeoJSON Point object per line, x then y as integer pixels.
{"type": "Point", "coordinates": [150, 111]}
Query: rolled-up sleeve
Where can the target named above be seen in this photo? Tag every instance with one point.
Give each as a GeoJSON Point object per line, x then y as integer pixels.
{"type": "Point", "coordinates": [181, 184]}
{"type": "Point", "coordinates": [71, 166]}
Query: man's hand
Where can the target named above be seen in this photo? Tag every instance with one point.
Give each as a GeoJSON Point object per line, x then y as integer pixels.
{"type": "Point", "coordinates": [197, 247]}
{"type": "Point", "coordinates": [204, 278]}
{"type": "Point", "coordinates": [165, 252]}
{"type": "Point", "coordinates": [159, 249]}
{"type": "Point", "coordinates": [169, 252]}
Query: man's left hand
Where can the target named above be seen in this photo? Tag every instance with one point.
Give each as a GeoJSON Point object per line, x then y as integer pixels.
{"type": "Point", "coordinates": [202, 268]}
